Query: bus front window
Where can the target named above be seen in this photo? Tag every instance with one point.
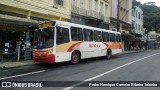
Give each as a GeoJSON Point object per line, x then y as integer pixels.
{"type": "Point", "coordinates": [44, 38]}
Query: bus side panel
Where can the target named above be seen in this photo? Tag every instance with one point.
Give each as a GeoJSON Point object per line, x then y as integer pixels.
{"type": "Point", "coordinates": [63, 56]}
{"type": "Point", "coordinates": [93, 49]}
{"type": "Point", "coordinates": [64, 51]}
{"type": "Point", "coordinates": [115, 47]}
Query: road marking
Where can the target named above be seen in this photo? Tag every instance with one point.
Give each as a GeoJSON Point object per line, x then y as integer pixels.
{"type": "Point", "coordinates": [105, 73]}
{"type": "Point", "coordinates": [23, 74]}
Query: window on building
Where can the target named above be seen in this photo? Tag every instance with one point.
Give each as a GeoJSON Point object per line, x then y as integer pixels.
{"type": "Point", "coordinates": [89, 4]}
{"type": "Point", "coordinates": [74, 3]}
{"type": "Point", "coordinates": [105, 36]}
{"type": "Point", "coordinates": [138, 27]}
{"type": "Point", "coordinates": [133, 24]}
{"type": "Point", "coordinates": [62, 35]}
{"type": "Point", "coordinates": [97, 36]}
{"type": "Point", "coordinates": [88, 35]}
{"type": "Point", "coordinates": [96, 5]}
{"type": "Point", "coordinates": [60, 2]}
{"type": "Point", "coordinates": [139, 16]}
{"type": "Point", "coordinates": [101, 8]}
{"type": "Point", "coordinates": [81, 3]}
{"type": "Point", "coordinates": [136, 13]}
{"type": "Point", "coordinates": [112, 37]}
{"type": "Point", "coordinates": [106, 10]}
{"type": "Point", "coordinates": [76, 34]}
{"type": "Point", "coordinates": [133, 12]}
{"type": "Point", "coordinates": [125, 27]}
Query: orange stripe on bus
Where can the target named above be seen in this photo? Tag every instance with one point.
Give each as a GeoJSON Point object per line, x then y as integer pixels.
{"type": "Point", "coordinates": [73, 46]}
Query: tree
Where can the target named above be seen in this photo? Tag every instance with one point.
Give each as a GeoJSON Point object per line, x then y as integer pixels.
{"type": "Point", "coordinates": [150, 3]}
{"type": "Point", "coordinates": [151, 14]}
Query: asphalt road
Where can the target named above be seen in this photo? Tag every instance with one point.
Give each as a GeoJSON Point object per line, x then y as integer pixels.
{"type": "Point", "coordinates": [142, 66]}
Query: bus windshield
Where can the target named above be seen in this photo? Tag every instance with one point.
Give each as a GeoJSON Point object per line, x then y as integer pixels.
{"type": "Point", "coordinates": [44, 38]}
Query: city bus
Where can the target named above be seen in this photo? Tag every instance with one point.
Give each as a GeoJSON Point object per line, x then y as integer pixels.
{"type": "Point", "coordinates": [58, 41]}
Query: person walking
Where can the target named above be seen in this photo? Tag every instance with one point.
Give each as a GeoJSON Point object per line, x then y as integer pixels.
{"type": "Point", "coordinates": [137, 47]}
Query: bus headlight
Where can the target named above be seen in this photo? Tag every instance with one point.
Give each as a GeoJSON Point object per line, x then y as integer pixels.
{"type": "Point", "coordinates": [50, 51]}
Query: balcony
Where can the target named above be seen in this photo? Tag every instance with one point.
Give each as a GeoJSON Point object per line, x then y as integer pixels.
{"type": "Point", "coordinates": [139, 33]}
{"type": "Point", "coordinates": [89, 13]}
{"type": "Point", "coordinates": [79, 11]}
{"type": "Point", "coordinates": [101, 16]}
{"type": "Point", "coordinates": [106, 19]}
{"type": "Point", "coordinates": [75, 9]}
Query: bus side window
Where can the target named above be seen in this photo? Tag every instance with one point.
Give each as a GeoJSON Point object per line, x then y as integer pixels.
{"type": "Point", "coordinates": [105, 36]}
{"type": "Point", "coordinates": [108, 37]}
{"type": "Point", "coordinates": [88, 34]}
{"type": "Point", "coordinates": [76, 34]}
{"type": "Point", "coordinates": [119, 38]}
{"type": "Point", "coordinates": [112, 37]}
{"type": "Point", "coordinates": [62, 35]}
{"type": "Point", "coordinates": [97, 36]}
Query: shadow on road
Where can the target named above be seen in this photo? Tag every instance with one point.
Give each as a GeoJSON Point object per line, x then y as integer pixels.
{"type": "Point", "coordinates": [83, 61]}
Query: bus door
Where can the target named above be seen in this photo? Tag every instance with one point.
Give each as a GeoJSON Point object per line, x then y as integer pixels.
{"type": "Point", "coordinates": [62, 43]}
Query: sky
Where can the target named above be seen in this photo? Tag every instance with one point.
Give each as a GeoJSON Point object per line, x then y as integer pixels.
{"type": "Point", "coordinates": [144, 1]}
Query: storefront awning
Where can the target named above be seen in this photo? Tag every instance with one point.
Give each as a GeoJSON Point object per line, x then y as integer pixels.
{"type": "Point", "coordinates": [15, 24]}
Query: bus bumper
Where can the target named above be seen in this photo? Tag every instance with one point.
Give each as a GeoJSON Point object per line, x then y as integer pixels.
{"type": "Point", "coordinates": [46, 59]}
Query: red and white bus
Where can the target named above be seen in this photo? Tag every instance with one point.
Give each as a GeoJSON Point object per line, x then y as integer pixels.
{"type": "Point", "coordinates": [58, 41]}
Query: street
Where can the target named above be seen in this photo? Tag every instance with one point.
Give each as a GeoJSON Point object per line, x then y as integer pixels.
{"type": "Point", "coordinates": [141, 66]}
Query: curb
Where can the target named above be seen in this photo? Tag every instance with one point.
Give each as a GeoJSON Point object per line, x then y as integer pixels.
{"type": "Point", "coordinates": [6, 66]}
{"type": "Point", "coordinates": [128, 52]}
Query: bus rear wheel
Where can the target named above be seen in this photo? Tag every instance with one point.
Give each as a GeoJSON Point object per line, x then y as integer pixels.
{"type": "Point", "coordinates": [109, 54]}
{"type": "Point", "coordinates": [75, 58]}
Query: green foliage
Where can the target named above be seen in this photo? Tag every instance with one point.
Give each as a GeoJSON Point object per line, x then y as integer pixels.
{"type": "Point", "coordinates": [151, 14]}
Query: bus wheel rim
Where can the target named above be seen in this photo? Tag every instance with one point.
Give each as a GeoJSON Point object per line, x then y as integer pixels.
{"type": "Point", "coordinates": [75, 58]}
{"type": "Point", "coordinates": [109, 56]}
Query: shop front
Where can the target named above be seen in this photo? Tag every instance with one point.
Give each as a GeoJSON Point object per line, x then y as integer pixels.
{"type": "Point", "coordinates": [127, 41]}
{"type": "Point", "coordinates": [15, 39]}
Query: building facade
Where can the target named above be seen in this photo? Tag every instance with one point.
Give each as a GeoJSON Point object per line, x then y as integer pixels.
{"type": "Point", "coordinates": [137, 22]}
{"type": "Point", "coordinates": [122, 20]}
{"type": "Point", "coordinates": [154, 40]}
{"type": "Point", "coordinates": [18, 19]}
{"type": "Point", "coordinates": [93, 13]}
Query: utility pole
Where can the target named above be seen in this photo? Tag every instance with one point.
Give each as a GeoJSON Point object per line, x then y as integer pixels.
{"type": "Point", "coordinates": [118, 16]}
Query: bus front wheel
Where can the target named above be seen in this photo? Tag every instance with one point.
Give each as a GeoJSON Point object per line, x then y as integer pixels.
{"type": "Point", "coordinates": [75, 58]}
{"type": "Point", "coordinates": [109, 54]}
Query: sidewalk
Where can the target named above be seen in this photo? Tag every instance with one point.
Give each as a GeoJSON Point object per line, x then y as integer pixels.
{"type": "Point", "coordinates": [133, 51]}
{"type": "Point", "coordinates": [7, 65]}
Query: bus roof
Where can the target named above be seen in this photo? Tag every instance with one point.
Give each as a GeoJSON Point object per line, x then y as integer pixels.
{"type": "Point", "coordinates": [82, 26]}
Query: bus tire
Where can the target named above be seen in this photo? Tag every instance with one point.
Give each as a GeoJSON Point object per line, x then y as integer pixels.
{"type": "Point", "coordinates": [109, 54]}
{"type": "Point", "coordinates": [75, 58]}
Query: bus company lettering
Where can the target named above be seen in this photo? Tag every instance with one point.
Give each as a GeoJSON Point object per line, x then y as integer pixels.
{"type": "Point", "coordinates": [94, 46]}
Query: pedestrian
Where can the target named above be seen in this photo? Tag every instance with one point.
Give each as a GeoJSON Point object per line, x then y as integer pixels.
{"type": "Point", "coordinates": [17, 50]}
{"type": "Point", "coordinates": [133, 45]}
{"type": "Point", "coordinates": [137, 47]}
{"type": "Point", "coordinates": [129, 46]}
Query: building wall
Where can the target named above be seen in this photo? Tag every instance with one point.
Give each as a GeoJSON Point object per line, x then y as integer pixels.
{"type": "Point", "coordinates": [125, 10]}
{"type": "Point", "coordinates": [137, 20]}
{"type": "Point", "coordinates": [90, 5]}
{"type": "Point", "coordinates": [31, 9]}
{"type": "Point", "coordinates": [125, 13]}
{"type": "Point", "coordinates": [91, 12]}
{"type": "Point", "coordinates": [153, 35]}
